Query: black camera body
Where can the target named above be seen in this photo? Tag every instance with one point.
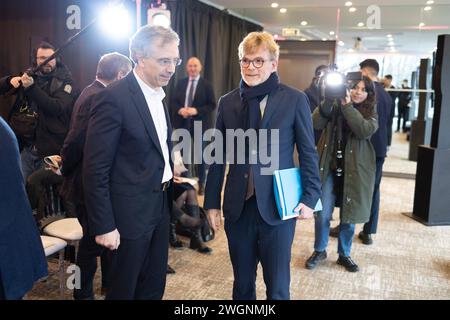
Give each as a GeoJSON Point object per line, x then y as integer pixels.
{"type": "Point", "coordinates": [335, 84]}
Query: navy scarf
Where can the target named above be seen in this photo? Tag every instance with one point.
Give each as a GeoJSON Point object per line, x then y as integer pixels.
{"type": "Point", "coordinates": [252, 96]}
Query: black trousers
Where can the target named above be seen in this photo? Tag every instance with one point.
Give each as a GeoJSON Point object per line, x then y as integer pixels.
{"type": "Point", "coordinates": [88, 251]}
{"type": "Point", "coordinates": [139, 266]}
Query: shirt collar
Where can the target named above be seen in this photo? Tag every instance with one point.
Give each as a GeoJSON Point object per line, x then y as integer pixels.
{"type": "Point", "coordinates": [196, 78]}
{"type": "Point", "coordinates": [149, 91]}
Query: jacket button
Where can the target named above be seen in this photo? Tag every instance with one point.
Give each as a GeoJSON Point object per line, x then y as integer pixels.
{"type": "Point", "coordinates": [325, 146]}
{"type": "Point", "coordinates": [246, 176]}
{"type": "Point", "coordinates": [321, 169]}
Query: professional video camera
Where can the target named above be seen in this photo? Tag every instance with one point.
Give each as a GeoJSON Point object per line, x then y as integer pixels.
{"type": "Point", "coordinates": [334, 85]}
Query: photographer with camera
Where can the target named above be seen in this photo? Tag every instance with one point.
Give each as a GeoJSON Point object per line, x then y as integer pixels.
{"type": "Point", "coordinates": [348, 119]}
{"type": "Point", "coordinates": [42, 108]}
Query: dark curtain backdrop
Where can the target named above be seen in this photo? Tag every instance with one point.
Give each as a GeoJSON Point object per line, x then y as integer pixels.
{"type": "Point", "coordinates": [213, 36]}
{"type": "Point", "coordinates": [206, 32]}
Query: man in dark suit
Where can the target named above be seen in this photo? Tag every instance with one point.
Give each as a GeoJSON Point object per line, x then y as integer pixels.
{"type": "Point", "coordinates": [254, 229]}
{"type": "Point", "coordinates": [111, 67]}
{"type": "Point", "coordinates": [388, 85]}
{"type": "Point", "coordinates": [127, 169]}
{"type": "Point", "coordinates": [194, 101]}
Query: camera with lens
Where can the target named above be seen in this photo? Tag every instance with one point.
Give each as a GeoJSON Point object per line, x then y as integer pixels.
{"type": "Point", "coordinates": [334, 85]}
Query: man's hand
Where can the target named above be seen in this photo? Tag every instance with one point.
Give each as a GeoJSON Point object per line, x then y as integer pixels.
{"type": "Point", "coordinates": [26, 80]}
{"type": "Point", "coordinates": [192, 111]}
{"type": "Point", "coordinates": [110, 240]}
{"type": "Point", "coordinates": [214, 219]}
{"type": "Point", "coordinates": [305, 212]}
{"type": "Point", "coordinates": [15, 82]}
{"type": "Point", "coordinates": [184, 112]}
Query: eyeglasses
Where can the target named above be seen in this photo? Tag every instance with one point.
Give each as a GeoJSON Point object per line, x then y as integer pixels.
{"type": "Point", "coordinates": [166, 62]}
{"type": "Point", "coordinates": [257, 63]}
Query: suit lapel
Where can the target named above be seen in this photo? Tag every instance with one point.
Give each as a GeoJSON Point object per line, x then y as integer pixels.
{"type": "Point", "coordinates": [141, 105]}
{"type": "Point", "coordinates": [271, 106]}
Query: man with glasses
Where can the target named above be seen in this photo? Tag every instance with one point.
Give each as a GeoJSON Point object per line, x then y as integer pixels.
{"type": "Point", "coordinates": [127, 169]}
{"type": "Point", "coordinates": [254, 229]}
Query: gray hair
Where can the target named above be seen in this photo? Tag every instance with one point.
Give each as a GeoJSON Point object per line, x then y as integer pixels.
{"type": "Point", "coordinates": [143, 41]}
{"type": "Point", "coordinates": [111, 64]}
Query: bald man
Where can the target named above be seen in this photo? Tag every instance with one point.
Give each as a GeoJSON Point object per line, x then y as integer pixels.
{"type": "Point", "coordinates": [193, 100]}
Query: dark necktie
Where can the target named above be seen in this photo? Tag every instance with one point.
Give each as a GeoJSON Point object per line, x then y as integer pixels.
{"type": "Point", "coordinates": [254, 121]}
{"type": "Point", "coordinates": [190, 97]}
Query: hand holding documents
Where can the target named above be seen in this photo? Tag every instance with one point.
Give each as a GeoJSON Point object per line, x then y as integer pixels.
{"type": "Point", "coordinates": [288, 192]}
{"type": "Point", "coordinates": [53, 163]}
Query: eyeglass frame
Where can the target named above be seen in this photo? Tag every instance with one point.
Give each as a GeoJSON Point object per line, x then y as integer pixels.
{"type": "Point", "coordinates": [166, 62]}
{"type": "Point", "coordinates": [253, 62]}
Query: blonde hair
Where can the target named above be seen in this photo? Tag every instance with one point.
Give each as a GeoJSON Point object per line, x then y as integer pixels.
{"type": "Point", "coordinates": [255, 40]}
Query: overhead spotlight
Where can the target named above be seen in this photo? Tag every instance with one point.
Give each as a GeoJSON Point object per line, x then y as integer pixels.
{"type": "Point", "coordinates": [158, 17]}
{"type": "Point", "coordinates": [421, 25]}
{"type": "Point", "coordinates": [361, 24]}
{"type": "Point", "coordinates": [391, 43]}
{"type": "Point", "coordinates": [389, 35]}
{"type": "Point", "coordinates": [115, 21]}
{"type": "Point", "coordinates": [352, 9]}
{"type": "Point", "coordinates": [302, 39]}
{"type": "Point", "coordinates": [274, 5]}
{"type": "Point", "coordinates": [331, 33]}
{"type": "Point", "coordinates": [283, 10]}
{"type": "Point", "coordinates": [427, 8]}
{"type": "Point", "coordinates": [430, 2]}
{"type": "Point", "coordinates": [348, 4]}
{"type": "Point", "coordinates": [324, 39]}
{"type": "Point", "coordinates": [341, 43]}
{"type": "Point", "coordinates": [304, 23]}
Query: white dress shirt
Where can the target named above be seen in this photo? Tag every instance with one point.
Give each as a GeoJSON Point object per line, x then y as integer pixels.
{"type": "Point", "coordinates": [154, 103]}
{"type": "Point", "coordinates": [194, 83]}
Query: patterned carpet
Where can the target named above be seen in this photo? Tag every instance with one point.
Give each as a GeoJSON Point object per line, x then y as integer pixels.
{"type": "Point", "coordinates": [407, 260]}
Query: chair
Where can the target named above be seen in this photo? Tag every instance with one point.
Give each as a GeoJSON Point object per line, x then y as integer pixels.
{"type": "Point", "coordinates": [51, 246]}
{"type": "Point", "coordinates": [67, 229]}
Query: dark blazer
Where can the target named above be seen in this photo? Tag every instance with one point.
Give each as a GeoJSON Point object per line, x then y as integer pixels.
{"type": "Point", "coordinates": [123, 162]}
{"type": "Point", "coordinates": [204, 101]}
{"type": "Point", "coordinates": [384, 103]}
{"type": "Point", "coordinates": [287, 110]}
{"type": "Point", "coordinates": [72, 150]}
{"type": "Point", "coordinates": [22, 257]}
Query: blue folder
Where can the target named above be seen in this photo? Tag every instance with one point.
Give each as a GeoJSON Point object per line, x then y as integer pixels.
{"type": "Point", "coordinates": [287, 186]}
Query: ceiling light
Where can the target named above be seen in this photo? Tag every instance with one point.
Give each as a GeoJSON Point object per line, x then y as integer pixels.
{"type": "Point", "coordinates": [274, 5]}
{"type": "Point", "coordinates": [351, 50]}
{"type": "Point", "coordinates": [391, 43]}
{"type": "Point", "coordinates": [348, 4]}
{"type": "Point", "coordinates": [304, 23]}
{"type": "Point", "coordinates": [341, 43]}
{"type": "Point", "coordinates": [361, 24]}
{"type": "Point", "coordinates": [352, 9]}
{"type": "Point", "coordinates": [430, 2]}
{"type": "Point", "coordinates": [392, 49]}
{"type": "Point", "coordinates": [421, 25]}
{"type": "Point", "coordinates": [275, 36]}
{"type": "Point", "coordinates": [324, 39]}
{"type": "Point", "coordinates": [331, 33]}
{"type": "Point", "coordinates": [283, 10]}
{"type": "Point", "coordinates": [389, 35]}
{"type": "Point", "coordinates": [427, 8]}
{"type": "Point", "coordinates": [302, 39]}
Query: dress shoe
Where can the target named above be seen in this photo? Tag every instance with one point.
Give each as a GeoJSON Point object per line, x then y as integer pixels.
{"type": "Point", "coordinates": [365, 238]}
{"type": "Point", "coordinates": [315, 258]}
{"type": "Point", "coordinates": [198, 244]}
{"type": "Point", "coordinates": [334, 232]}
{"type": "Point", "coordinates": [347, 263]}
{"type": "Point", "coordinates": [170, 270]}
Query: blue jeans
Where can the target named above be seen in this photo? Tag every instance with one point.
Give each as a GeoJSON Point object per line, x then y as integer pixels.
{"type": "Point", "coordinates": [322, 222]}
{"type": "Point", "coordinates": [371, 226]}
{"type": "Point", "coordinates": [30, 162]}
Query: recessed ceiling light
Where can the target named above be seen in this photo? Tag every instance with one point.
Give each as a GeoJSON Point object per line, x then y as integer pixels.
{"type": "Point", "coordinates": [421, 24]}
{"type": "Point", "coordinates": [352, 9]}
{"type": "Point", "coordinates": [430, 2]}
{"type": "Point", "coordinates": [391, 43]}
{"type": "Point", "coordinates": [283, 10]}
{"type": "Point", "coordinates": [348, 4]}
{"type": "Point", "coordinates": [274, 5]}
{"type": "Point", "coordinates": [351, 50]}
{"type": "Point", "coordinates": [361, 24]}
{"type": "Point", "coordinates": [427, 8]}
{"type": "Point", "coordinates": [341, 43]}
{"type": "Point", "coordinates": [275, 36]}
{"type": "Point", "coordinates": [389, 35]}
{"type": "Point", "coordinates": [324, 39]}
{"type": "Point", "coordinates": [302, 39]}
{"type": "Point", "coordinates": [331, 33]}
{"type": "Point", "coordinates": [304, 23]}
